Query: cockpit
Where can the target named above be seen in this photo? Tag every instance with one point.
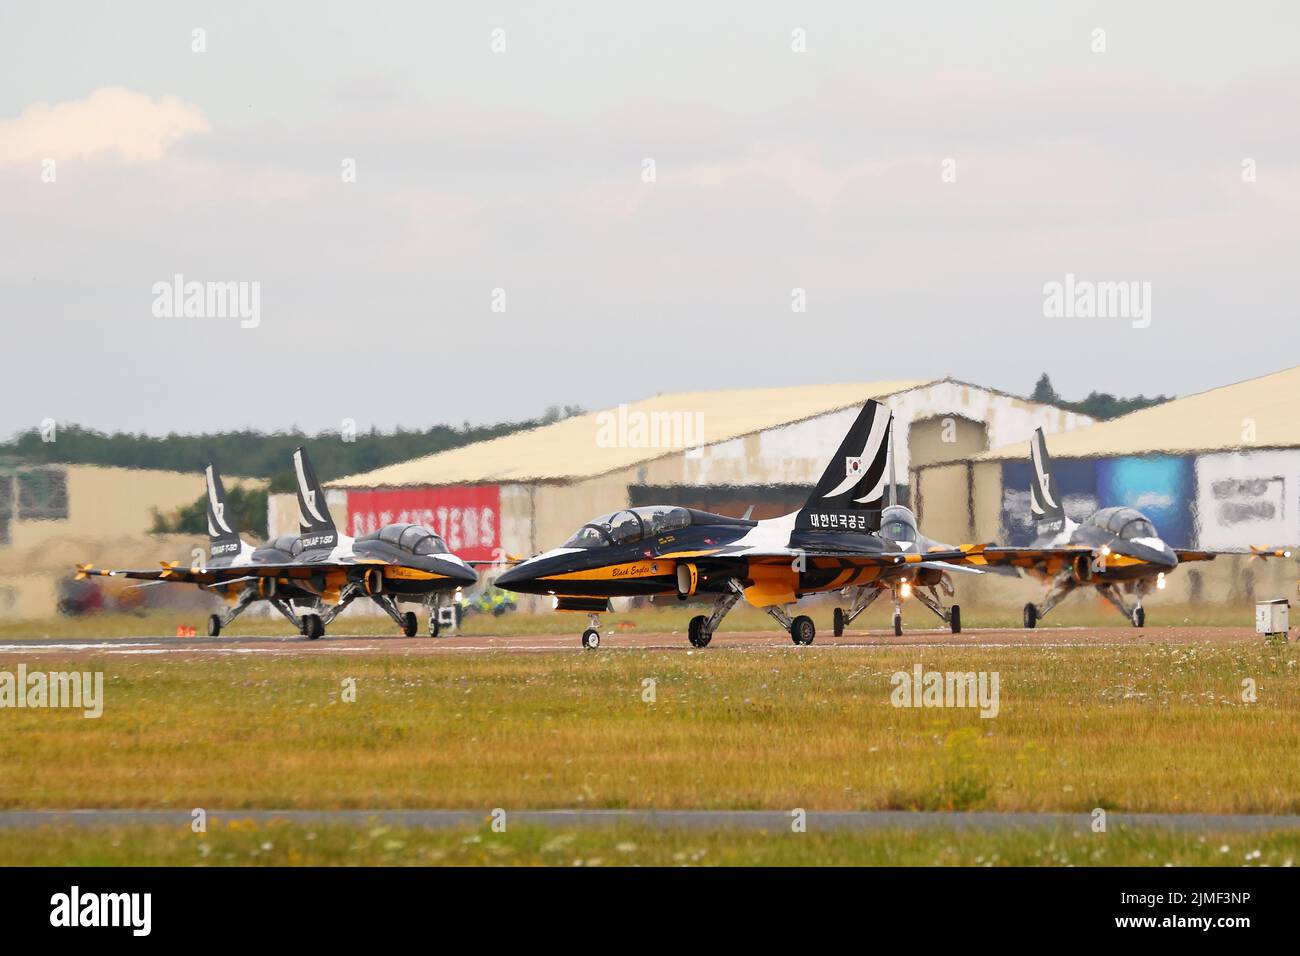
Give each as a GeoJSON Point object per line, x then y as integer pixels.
{"type": "Point", "coordinates": [412, 538]}
{"type": "Point", "coordinates": [289, 544]}
{"type": "Point", "coordinates": [898, 524]}
{"type": "Point", "coordinates": [1126, 523]}
{"type": "Point", "coordinates": [629, 526]}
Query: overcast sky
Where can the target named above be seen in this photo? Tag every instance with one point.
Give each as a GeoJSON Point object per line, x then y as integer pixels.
{"type": "Point", "coordinates": [921, 171]}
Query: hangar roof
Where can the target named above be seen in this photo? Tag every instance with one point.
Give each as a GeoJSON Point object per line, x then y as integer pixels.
{"type": "Point", "coordinates": [1211, 421]}
{"type": "Point", "coordinates": [571, 449]}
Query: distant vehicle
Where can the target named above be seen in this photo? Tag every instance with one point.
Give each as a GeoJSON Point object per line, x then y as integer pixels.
{"type": "Point", "coordinates": [828, 545]}
{"type": "Point", "coordinates": [489, 600]}
{"type": "Point", "coordinates": [1113, 550]}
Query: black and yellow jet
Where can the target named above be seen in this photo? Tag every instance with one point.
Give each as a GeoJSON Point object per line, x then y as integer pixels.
{"type": "Point", "coordinates": [317, 568]}
{"type": "Point", "coordinates": [1115, 550]}
{"type": "Point", "coordinates": [228, 568]}
{"type": "Point", "coordinates": [829, 544]}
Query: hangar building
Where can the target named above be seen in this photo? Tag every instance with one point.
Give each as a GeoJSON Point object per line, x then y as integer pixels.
{"type": "Point", "coordinates": [53, 516]}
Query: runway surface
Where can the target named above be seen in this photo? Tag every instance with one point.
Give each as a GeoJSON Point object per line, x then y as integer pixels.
{"type": "Point", "coordinates": [614, 641]}
{"type": "Point", "coordinates": [772, 820]}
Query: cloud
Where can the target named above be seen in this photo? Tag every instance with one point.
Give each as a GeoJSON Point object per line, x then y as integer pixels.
{"type": "Point", "coordinates": [110, 123]}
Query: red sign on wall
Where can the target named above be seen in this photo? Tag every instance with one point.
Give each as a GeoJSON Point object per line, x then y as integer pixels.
{"type": "Point", "coordinates": [468, 518]}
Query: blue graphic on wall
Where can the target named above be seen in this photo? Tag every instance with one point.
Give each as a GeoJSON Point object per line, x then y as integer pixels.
{"type": "Point", "coordinates": [1076, 482]}
{"type": "Point", "coordinates": [1161, 487]}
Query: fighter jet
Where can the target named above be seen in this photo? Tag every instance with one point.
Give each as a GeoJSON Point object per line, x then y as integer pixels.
{"type": "Point", "coordinates": [898, 528]}
{"type": "Point", "coordinates": [1116, 549]}
{"type": "Point", "coordinates": [827, 545]}
{"type": "Point", "coordinates": [318, 568]}
{"type": "Point", "coordinates": [226, 570]}
{"type": "Point", "coordinates": [405, 562]}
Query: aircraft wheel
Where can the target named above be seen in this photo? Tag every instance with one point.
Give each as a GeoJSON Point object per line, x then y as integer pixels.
{"type": "Point", "coordinates": [214, 626]}
{"type": "Point", "coordinates": [696, 632]}
{"type": "Point", "coordinates": [433, 626]}
{"type": "Point", "coordinates": [838, 619]}
{"type": "Point", "coordinates": [898, 625]}
{"type": "Point", "coordinates": [409, 624]}
{"type": "Point", "coordinates": [1031, 615]}
{"type": "Point", "coordinates": [1139, 617]}
{"type": "Point", "coordinates": [312, 627]}
{"type": "Point", "coordinates": [591, 638]}
{"type": "Point", "coordinates": [802, 630]}
{"type": "Point", "coordinates": [954, 618]}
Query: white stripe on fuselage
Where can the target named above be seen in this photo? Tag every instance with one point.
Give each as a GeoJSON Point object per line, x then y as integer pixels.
{"type": "Point", "coordinates": [770, 534]}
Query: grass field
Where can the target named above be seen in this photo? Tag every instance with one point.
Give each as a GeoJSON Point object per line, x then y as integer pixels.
{"type": "Point", "coordinates": [1147, 727]}
{"type": "Point", "coordinates": [243, 843]}
{"type": "Point", "coordinates": [1079, 611]}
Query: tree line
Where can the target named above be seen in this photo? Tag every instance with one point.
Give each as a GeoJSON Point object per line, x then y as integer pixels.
{"type": "Point", "coordinates": [1099, 405]}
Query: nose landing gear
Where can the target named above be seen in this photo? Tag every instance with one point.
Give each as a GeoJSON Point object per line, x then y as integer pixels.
{"type": "Point", "coordinates": [591, 636]}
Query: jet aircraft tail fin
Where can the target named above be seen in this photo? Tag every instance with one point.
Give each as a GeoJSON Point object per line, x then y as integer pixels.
{"type": "Point", "coordinates": [893, 477]}
{"type": "Point", "coordinates": [314, 519]}
{"type": "Point", "coordinates": [1044, 496]}
{"type": "Point", "coordinates": [223, 536]}
{"type": "Point", "coordinates": [849, 495]}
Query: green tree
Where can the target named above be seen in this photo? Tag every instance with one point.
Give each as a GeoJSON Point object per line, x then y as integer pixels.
{"type": "Point", "coordinates": [1043, 392]}
{"type": "Point", "coordinates": [1099, 405]}
{"type": "Point", "coordinates": [246, 507]}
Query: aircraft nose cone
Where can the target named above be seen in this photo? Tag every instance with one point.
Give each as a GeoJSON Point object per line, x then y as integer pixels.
{"type": "Point", "coordinates": [457, 571]}
{"type": "Point", "coordinates": [522, 577]}
{"type": "Point", "coordinates": [1154, 552]}
{"type": "Point", "coordinates": [511, 576]}
{"type": "Point", "coordinates": [465, 574]}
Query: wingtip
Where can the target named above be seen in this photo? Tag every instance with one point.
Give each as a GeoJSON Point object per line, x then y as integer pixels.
{"type": "Point", "coordinates": [1260, 551]}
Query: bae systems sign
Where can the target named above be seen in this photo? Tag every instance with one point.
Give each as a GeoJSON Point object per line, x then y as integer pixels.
{"type": "Point", "coordinates": [468, 518]}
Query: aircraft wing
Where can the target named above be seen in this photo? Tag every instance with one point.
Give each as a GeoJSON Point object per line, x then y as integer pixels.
{"type": "Point", "coordinates": [1186, 555]}
{"type": "Point", "coordinates": [1050, 560]}
{"type": "Point", "coordinates": [853, 559]}
{"type": "Point", "coordinates": [1192, 554]}
{"type": "Point", "coordinates": [173, 571]}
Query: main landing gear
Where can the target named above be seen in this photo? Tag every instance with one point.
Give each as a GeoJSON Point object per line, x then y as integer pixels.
{"type": "Point", "coordinates": [1062, 585]}
{"type": "Point", "coordinates": [865, 595]}
{"type": "Point", "coordinates": [862, 600]}
{"type": "Point", "coordinates": [218, 621]}
{"type": "Point", "coordinates": [313, 622]}
{"type": "Point", "coordinates": [700, 631]}
{"type": "Point", "coordinates": [949, 615]}
{"type": "Point", "coordinates": [1137, 617]}
{"type": "Point", "coordinates": [801, 628]}
{"type": "Point", "coordinates": [407, 621]}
